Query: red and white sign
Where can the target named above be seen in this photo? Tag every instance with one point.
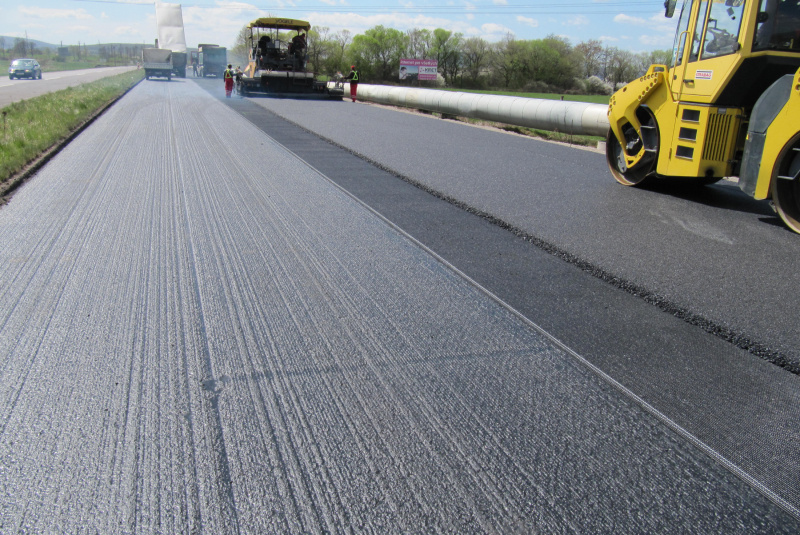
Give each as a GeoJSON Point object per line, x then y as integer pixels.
{"type": "Point", "coordinates": [703, 75]}
{"type": "Point", "coordinates": [421, 69]}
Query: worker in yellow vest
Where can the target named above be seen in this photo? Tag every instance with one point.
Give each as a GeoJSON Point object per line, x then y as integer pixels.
{"type": "Point", "coordinates": [353, 77]}
{"type": "Point", "coordinates": [228, 76]}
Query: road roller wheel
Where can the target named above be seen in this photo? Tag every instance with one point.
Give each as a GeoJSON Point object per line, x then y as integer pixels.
{"type": "Point", "coordinates": [615, 155]}
{"type": "Point", "coordinates": [786, 186]}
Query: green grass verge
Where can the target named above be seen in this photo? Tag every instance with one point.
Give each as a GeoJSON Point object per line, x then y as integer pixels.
{"type": "Point", "coordinates": [586, 141]}
{"type": "Point", "coordinates": [32, 126]}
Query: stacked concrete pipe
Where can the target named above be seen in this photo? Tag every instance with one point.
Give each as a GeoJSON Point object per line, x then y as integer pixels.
{"type": "Point", "coordinates": [577, 118]}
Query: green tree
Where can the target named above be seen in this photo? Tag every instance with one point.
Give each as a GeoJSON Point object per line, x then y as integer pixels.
{"type": "Point", "coordinates": [508, 61]}
{"type": "Point", "coordinates": [447, 50]}
{"type": "Point", "coordinates": [590, 54]}
{"type": "Point", "coordinates": [420, 43]}
{"type": "Point", "coordinates": [622, 66]}
{"type": "Point", "coordinates": [318, 47]}
{"type": "Point", "coordinates": [378, 51]}
{"type": "Point", "coordinates": [660, 57]}
{"type": "Point", "coordinates": [239, 54]}
{"type": "Point", "coordinates": [475, 55]}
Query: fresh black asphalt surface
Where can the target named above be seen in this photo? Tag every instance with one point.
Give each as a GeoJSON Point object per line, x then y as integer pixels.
{"type": "Point", "coordinates": [697, 378]}
{"type": "Point", "coordinates": [202, 333]}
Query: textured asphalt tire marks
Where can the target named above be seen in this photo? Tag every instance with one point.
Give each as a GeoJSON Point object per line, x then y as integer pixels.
{"type": "Point", "coordinates": [296, 418]}
{"type": "Point", "coordinates": [371, 348]}
{"type": "Point", "coordinates": [50, 268]}
{"type": "Point", "coordinates": [211, 184]}
{"type": "Point", "coordinates": [218, 509]}
{"type": "Point", "coordinates": [58, 268]}
{"type": "Point", "coordinates": [295, 317]}
{"type": "Point", "coordinates": [314, 271]}
{"type": "Point", "coordinates": [431, 431]}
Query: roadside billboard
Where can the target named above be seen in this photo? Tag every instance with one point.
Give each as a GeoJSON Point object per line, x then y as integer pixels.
{"type": "Point", "coordinates": [418, 69]}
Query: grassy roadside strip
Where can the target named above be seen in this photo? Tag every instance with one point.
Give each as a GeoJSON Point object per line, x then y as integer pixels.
{"type": "Point", "coordinates": [35, 129]}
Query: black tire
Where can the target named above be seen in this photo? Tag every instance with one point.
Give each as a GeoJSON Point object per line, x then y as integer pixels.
{"type": "Point", "coordinates": [645, 168]}
{"type": "Point", "coordinates": [786, 191]}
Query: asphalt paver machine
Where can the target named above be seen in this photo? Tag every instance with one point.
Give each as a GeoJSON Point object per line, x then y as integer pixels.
{"type": "Point", "coordinates": [278, 60]}
{"type": "Point", "coordinates": [729, 107]}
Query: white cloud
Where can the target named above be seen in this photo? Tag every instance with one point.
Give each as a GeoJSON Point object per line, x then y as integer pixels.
{"type": "Point", "coordinates": [127, 30]}
{"type": "Point", "coordinates": [358, 24]}
{"type": "Point", "coordinates": [660, 30]}
{"type": "Point", "coordinates": [47, 13]}
{"type": "Point", "coordinates": [627, 19]}
{"type": "Point", "coordinates": [656, 40]}
{"type": "Point", "coordinates": [334, 2]}
{"type": "Point", "coordinates": [533, 23]}
{"type": "Point", "coordinates": [579, 20]}
{"type": "Point", "coordinates": [500, 2]}
{"type": "Point", "coordinates": [495, 31]}
{"type": "Point", "coordinates": [607, 38]}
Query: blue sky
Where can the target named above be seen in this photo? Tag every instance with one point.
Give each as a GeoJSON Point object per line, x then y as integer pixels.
{"type": "Point", "coordinates": [635, 25]}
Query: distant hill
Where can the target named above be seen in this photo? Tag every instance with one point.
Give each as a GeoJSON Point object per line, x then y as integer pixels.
{"type": "Point", "coordinates": [91, 48]}
{"type": "Point", "coordinates": [41, 45]}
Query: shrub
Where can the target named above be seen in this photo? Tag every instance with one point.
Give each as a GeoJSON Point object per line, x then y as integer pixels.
{"type": "Point", "coordinates": [596, 86]}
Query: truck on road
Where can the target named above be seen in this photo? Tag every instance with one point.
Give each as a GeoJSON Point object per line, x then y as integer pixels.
{"type": "Point", "coordinates": [179, 64]}
{"type": "Point", "coordinates": [212, 59]}
{"type": "Point", "coordinates": [157, 62]}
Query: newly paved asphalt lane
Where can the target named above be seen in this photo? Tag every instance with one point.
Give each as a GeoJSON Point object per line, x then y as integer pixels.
{"type": "Point", "coordinates": [714, 254]}
{"type": "Point", "coordinates": [738, 404]}
{"type": "Point", "coordinates": [202, 333]}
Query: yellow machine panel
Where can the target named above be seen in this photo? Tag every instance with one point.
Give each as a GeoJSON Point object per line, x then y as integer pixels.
{"type": "Point", "coordinates": [730, 105]}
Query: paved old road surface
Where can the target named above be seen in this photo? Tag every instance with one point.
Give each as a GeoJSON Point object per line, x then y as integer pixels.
{"type": "Point", "coordinates": [194, 341]}
{"type": "Point", "coordinates": [15, 90]}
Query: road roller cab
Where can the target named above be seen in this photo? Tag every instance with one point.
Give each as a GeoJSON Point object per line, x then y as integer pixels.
{"type": "Point", "coordinates": [728, 107]}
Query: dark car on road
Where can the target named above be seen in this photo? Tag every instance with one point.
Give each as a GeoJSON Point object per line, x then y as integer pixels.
{"type": "Point", "coordinates": [25, 68]}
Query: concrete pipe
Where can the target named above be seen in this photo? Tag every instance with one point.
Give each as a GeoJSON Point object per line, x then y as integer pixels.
{"type": "Point", "coordinates": [577, 118]}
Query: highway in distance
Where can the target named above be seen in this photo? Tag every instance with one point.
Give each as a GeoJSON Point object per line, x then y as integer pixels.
{"type": "Point", "coordinates": [214, 320]}
{"type": "Point", "coordinates": [16, 90]}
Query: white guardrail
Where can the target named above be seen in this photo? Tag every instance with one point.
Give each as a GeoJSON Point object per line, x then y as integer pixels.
{"type": "Point", "coordinates": [577, 118]}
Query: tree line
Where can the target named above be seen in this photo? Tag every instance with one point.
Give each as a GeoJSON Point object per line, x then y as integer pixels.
{"type": "Point", "coordinates": [551, 64]}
